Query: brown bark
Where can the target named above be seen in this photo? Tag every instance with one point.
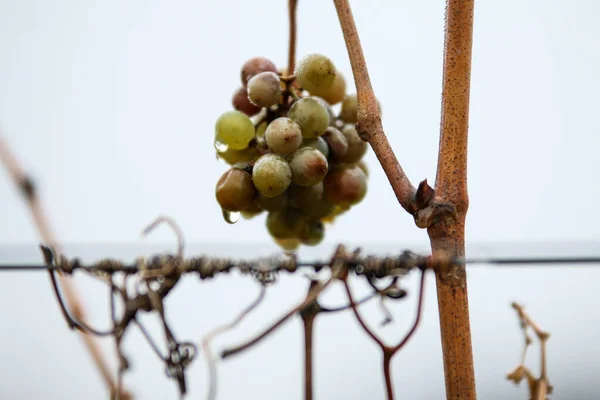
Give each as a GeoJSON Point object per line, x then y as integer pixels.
{"type": "Point", "coordinates": [448, 234]}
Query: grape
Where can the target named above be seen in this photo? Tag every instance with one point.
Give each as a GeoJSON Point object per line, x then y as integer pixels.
{"type": "Point", "coordinates": [283, 135]}
{"type": "Point", "coordinates": [362, 165]}
{"type": "Point", "coordinates": [312, 117]}
{"type": "Point", "coordinates": [241, 103]}
{"type": "Point", "coordinates": [246, 155]}
{"type": "Point", "coordinates": [261, 129]}
{"type": "Point", "coordinates": [322, 209]}
{"type": "Point", "coordinates": [271, 175]}
{"type": "Point", "coordinates": [348, 111]}
{"type": "Point", "coordinates": [264, 89]}
{"type": "Point", "coordinates": [337, 91]}
{"type": "Point", "coordinates": [315, 73]}
{"type": "Point", "coordinates": [319, 144]}
{"type": "Point", "coordinates": [252, 211]}
{"type": "Point", "coordinates": [285, 224]}
{"type": "Point", "coordinates": [309, 166]}
{"type": "Point", "coordinates": [336, 142]}
{"type": "Point", "coordinates": [345, 185]}
{"type": "Point", "coordinates": [235, 190]}
{"type": "Point", "coordinates": [276, 203]}
{"type": "Point", "coordinates": [312, 233]}
{"type": "Point", "coordinates": [328, 108]}
{"type": "Point", "coordinates": [335, 212]}
{"type": "Point", "coordinates": [255, 66]}
{"type": "Point", "coordinates": [305, 197]}
{"type": "Point", "coordinates": [356, 146]}
{"type": "Point", "coordinates": [233, 130]}
{"type": "Point", "coordinates": [290, 244]}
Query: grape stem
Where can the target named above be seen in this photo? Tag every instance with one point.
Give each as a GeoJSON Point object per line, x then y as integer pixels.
{"type": "Point", "coordinates": [292, 6]}
{"type": "Point", "coordinates": [369, 126]}
{"type": "Point", "coordinates": [443, 210]}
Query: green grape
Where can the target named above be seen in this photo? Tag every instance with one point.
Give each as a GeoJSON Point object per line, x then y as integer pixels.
{"type": "Point", "coordinates": [337, 91]}
{"type": "Point", "coordinates": [349, 107]}
{"type": "Point", "coordinates": [233, 130]}
{"type": "Point", "coordinates": [312, 233]}
{"type": "Point", "coordinates": [241, 102]}
{"type": "Point", "coordinates": [328, 108]}
{"type": "Point", "coordinates": [311, 115]}
{"type": "Point", "coordinates": [264, 89]}
{"type": "Point", "coordinates": [349, 110]}
{"type": "Point", "coordinates": [271, 175]}
{"type": "Point", "coordinates": [251, 211]}
{"type": "Point", "coordinates": [305, 197]}
{"type": "Point", "coordinates": [363, 165]}
{"type": "Point", "coordinates": [345, 185]}
{"type": "Point", "coordinates": [283, 135]}
{"type": "Point", "coordinates": [335, 212]}
{"type": "Point", "coordinates": [235, 190]}
{"type": "Point", "coordinates": [321, 209]}
{"type": "Point", "coordinates": [290, 244]}
{"type": "Point", "coordinates": [315, 73]}
{"type": "Point", "coordinates": [319, 144]}
{"type": "Point", "coordinates": [336, 142]}
{"type": "Point", "coordinates": [247, 155]}
{"type": "Point", "coordinates": [285, 224]}
{"type": "Point", "coordinates": [261, 129]}
{"type": "Point", "coordinates": [356, 146]}
{"type": "Point", "coordinates": [255, 66]}
{"type": "Point", "coordinates": [276, 203]}
{"type": "Point", "coordinates": [308, 165]}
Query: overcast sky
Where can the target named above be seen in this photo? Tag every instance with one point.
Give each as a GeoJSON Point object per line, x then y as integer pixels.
{"type": "Point", "coordinates": [111, 107]}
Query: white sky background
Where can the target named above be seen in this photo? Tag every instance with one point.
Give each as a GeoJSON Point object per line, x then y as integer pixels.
{"type": "Point", "coordinates": [111, 106]}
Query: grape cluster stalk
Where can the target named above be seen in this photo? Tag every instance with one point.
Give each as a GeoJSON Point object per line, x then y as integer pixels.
{"type": "Point", "coordinates": [293, 150]}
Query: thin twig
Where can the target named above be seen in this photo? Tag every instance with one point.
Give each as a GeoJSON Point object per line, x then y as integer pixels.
{"type": "Point", "coordinates": [292, 7]}
{"type": "Point", "coordinates": [369, 125]}
{"type": "Point", "coordinates": [311, 297]}
{"type": "Point", "coordinates": [538, 388]}
{"type": "Point", "coordinates": [210, 336]}
{"type": "Point", "coordinates": [73, 299]}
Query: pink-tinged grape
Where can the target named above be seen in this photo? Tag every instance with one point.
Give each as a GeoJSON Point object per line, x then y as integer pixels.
{"type": "Point", "coordinates": [276, 203]}
{"type": "Point", "coordinates": [255, 66]}
{"type": "Point", "coordinates": [345, 185]}
{"type": "Point", "coordinates": [235, 190]}
{"type": "Point", "coordinates": [311, 115]}
{"type": "Point", "coordinates": [356, 146]}
{"type": "Point", "coordinates": [285, 224]}
{"type": "Point", "coordinates": [315, 73]}
{"type": "Point", "coordinates": [283, 135]}
{"type": "Point", "coordinates": [312, 233]}
{"type": "Point", "coordinates": [271, 175]}
{"type": "Point", "coordinates": [233, 130]}
{"type": "Point", "coordinates": [247, 155]}
{"type": "Point", "coordinates": [337, 91]}
{"type": "Point", "coordinates": [305, 197]}
{"type": "Point", "coordinates": [241, 103]}
{"type": "Point", "coordinates": [264, 89]}
{"type": "Point", "coordinates": [349, 109]}
{"type": "Point", "coordinates": [319, 144]}
{"type": "Point", "coordinates": [336, 141]}
{"type": "Point", "coordinates": [308, 165]}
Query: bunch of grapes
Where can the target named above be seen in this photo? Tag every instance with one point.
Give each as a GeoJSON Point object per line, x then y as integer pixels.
{"type": "Point", "coordinates": [291, 154]}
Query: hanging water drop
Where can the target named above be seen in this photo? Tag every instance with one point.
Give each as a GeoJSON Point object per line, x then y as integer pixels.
{"type": "Point", "coordinates": [231, 217]}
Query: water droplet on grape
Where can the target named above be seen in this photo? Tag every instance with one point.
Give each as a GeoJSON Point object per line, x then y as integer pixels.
{"type": "Point", "coordinates": [220, 146]}
{"type": "Point", "coordinates": [231, 217]}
